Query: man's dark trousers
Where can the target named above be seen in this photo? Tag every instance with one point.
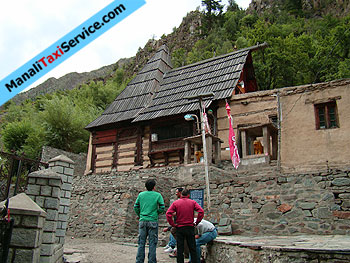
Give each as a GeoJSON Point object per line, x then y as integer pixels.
{"type": "Point", "coordinates": [186, 233]}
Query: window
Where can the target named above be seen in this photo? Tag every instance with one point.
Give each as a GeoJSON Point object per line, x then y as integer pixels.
{"type": "Point", "coordinates": [326, 115]}
{"type": "Point", "coordinates": [173, 131]}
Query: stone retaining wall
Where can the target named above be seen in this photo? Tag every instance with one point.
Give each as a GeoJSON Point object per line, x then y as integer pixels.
{"type": "Point", "coordinates": [102, 205]}
{"type": "Point", "coordinates": [228, 253]}
{"type": "Point", "coordinates": [260, 201]}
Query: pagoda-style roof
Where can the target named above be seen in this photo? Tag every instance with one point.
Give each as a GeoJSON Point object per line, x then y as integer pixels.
{"type": "Point", "coordinates": [160, 91]}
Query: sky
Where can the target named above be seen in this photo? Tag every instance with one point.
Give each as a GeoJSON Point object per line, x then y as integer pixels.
{"type": "Point", "coordinates": [27, 27]}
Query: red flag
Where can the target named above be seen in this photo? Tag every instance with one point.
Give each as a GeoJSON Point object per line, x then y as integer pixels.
{"type": "Point", "coordinates": [232, 140]}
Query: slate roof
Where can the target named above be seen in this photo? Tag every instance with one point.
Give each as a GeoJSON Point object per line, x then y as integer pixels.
{"type": "Point", "coordinates": [138, 93]}
{"type": "Point", "coordinates": [218, 75]}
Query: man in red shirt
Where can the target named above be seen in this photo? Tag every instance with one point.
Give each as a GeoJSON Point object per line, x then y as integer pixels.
{"type": "Point", "coordinates": [184, 209]}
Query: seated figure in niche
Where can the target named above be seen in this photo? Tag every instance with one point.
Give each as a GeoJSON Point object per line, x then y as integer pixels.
{"type": "Point", "coordinates": [258, 148]}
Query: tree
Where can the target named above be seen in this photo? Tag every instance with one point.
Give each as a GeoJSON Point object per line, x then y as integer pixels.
{"type": "Point", "coordinates": [213, 8]}
{"type": "Point", "coordinates": [64, 123]}
{"type": "Point", "coordinates": [15, 135]}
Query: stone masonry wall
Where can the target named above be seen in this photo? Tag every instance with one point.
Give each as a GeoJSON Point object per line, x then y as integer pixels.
{"type": "Point", "coordinates": [256, 202]}
{"type": "Point", "coordinates": [228, 253]}
{"type": "Point", "coordinates": [102, 205]}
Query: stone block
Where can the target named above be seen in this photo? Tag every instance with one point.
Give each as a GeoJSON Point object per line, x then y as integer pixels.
{"type": "Point", "coordinates": [306, 205]}
{"type": "Point", "coordinates": [346, 204]}
{"type": "Point", "coordinates": [58, 169]}
{"type": "Point", "coordinates": [52, 214]}
{"type": "Point", "coordinates": [45, 190]}
{"type": "Point", "coordinates": [25, 237]}
{"type": "Point", "coordinates": [17, 219]}
{"type": "Point", "coordinates": [33, 189]}
{"type": "Point", "coordinates": [64, 178]}
{"type": "Point", "coordinates": [42, 181]}
{"type": "Point", "coordinates": [344, 196]}
{"type": "Point", "coordinates": [322, 213]}
{"type": "Point", "coordinates": [49, 237]}
{"type": "Point", "coordinates": [63, 217]}
{"type": "Point", "coordinates": [68, 171]}
{"type": "Point", "coordinates": [285, 208]}
{"type": "Point", "coordinates": [33, 221]}
{"type": "Point", "coordinates": [341, 182]}
{"type": "Point", "coordinates": [66, 209]}
{"type": "Point", "coordinates": [50, 226]}
{"type": "Point", "coordinates": [52, 203]}
{"type": "Point", "coordinates": [56, 192]}
{"type": "Point", "coordinates": [64, 225]}
{"type": "Point", "coordinates": [47, 249]}
{"type": "Point", "coordinates": [65, 201]}
{"type": "Point", "coordinates": [27, 255]}
{"type": "Point", "coordinates": [46, 259]}
{"type": "Point", "coordinates": [61, 240]}
{"type": "Point", "coordinates": [67, 194]}
{"type": "Point", "coordinates": [40, 200]}
{"type": "Point", "coordinates": [224, 221]}
{"type": "Point", "coordinates": [342, 214]}
{"type": "Point", "coordinates": [70, 179]}
{"type": "Point", "coordinates": [55, 182]}
{"type": "Point", "coordinates": [67, 186]}
{"type": "Point", "coordinates": [31, 180]}
{"type": "Point", "coordinates": [225, 230]}
{"type": "Point", "coordinates": [60, 232]}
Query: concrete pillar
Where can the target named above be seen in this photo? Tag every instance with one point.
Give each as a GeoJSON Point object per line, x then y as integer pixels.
{"type": "Point", "coordinates": [27, 233]}
{"type": "Point", "coordinates": [63, 166]}
{"type": "Point", "coordinates": [187, 153]}
{"type": "Point", "coordinates": [44, 187]}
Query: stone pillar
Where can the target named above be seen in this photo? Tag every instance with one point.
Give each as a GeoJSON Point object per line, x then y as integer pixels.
{"type": "Point", "coordinates": [217, 152]}
{"type": "Point", "coordinates": [44, 187]}
{"type": "Point", "coordinates": [63, 166]}
{"type": "Point", "coordinates": [244, 143]}
{"type": "Point", "coordinates": [27, 233]}
{"type": "Point", "coordinates": [266, 134]}
{"type": "Point", "coordinates": [187, 154]}
{"type": "Point", "coordinates": [209, 143]}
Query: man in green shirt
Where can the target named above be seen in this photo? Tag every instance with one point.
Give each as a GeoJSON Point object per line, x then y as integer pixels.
{"type": "Point", "coordinates": [149, 204]}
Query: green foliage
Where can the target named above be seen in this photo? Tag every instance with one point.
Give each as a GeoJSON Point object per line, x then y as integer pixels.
{"type": "Point", "coordinates": [58, 119]}
{"type": "Point", "coordinates": [178, 57]}
{"type": "Point", "coordinates": [15, 135]}
{"type": "Point", "coordinates": [300, 50]}
{"type": "Point", "coordinates": [212, 14]}
{"type": "Point", "coordinates": [64, 123]}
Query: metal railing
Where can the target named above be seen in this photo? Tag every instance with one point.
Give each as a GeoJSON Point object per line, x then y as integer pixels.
{"type": "Point", "coordinates": [14, 170]}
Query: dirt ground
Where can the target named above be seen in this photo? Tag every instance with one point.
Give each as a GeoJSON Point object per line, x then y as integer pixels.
{"type": "Point", "coordinates": [86, 250]}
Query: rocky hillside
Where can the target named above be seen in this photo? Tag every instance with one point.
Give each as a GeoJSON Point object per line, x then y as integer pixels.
{"type": "Point", "coordinates": [312, 7]}
{"type": "Point", "coordinates": [67, 82]}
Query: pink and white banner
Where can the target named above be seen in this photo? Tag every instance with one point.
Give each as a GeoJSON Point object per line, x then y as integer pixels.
{"type": "Point", "coordinates": [232, 140]}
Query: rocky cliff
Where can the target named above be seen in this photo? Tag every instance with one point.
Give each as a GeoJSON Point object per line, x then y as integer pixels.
{"type": "Point", "coordinates": [310, 7]}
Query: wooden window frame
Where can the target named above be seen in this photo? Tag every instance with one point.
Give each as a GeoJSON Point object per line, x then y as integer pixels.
{"type": "Point", "coordinates": [326, 107]}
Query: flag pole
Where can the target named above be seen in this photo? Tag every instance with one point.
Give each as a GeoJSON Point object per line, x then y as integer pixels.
{"type": "Point", "coordinates": [206, 165]}
{"type": "Point", "coordinates": [205, 153]}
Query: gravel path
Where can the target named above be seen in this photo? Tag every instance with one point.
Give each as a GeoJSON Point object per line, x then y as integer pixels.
{"type": "Point", "coordinates": [85, 250]}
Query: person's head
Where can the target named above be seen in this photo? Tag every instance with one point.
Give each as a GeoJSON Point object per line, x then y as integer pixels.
{"type": "Point", "coordinates": [185, 192]}
{"type": "Point", "coordinates": [178, 191]}
{"type": "Point", "coordinates": [150, 184]}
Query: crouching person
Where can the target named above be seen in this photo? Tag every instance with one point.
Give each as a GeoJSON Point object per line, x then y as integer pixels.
{"type": "Point", "coordinates": [205, 232]}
